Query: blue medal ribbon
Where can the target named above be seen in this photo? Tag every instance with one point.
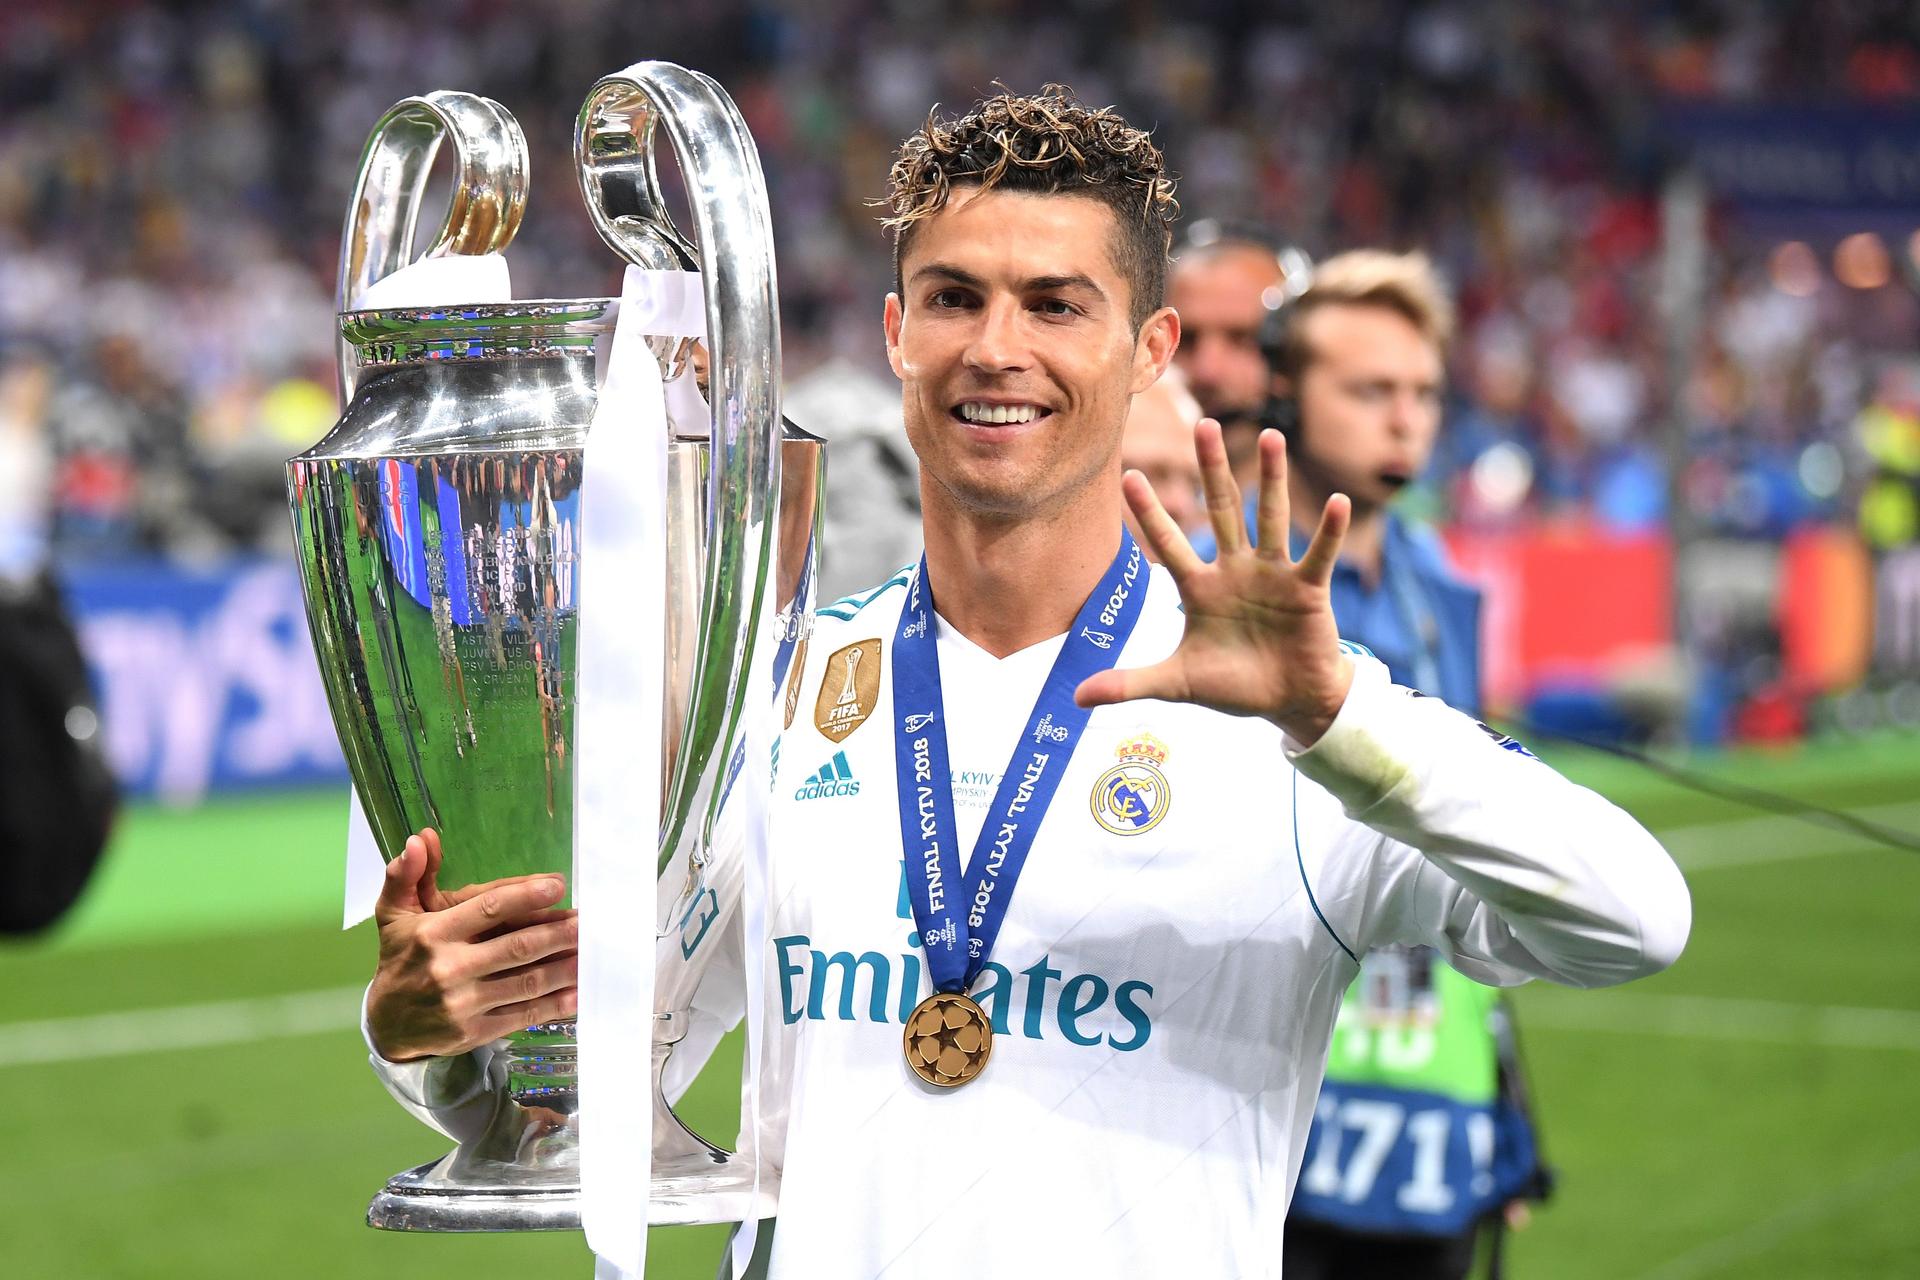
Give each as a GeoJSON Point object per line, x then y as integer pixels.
{"type": "Point", "coordinates": [959, 921]}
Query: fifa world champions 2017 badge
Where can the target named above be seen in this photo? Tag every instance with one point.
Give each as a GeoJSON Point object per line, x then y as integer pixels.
{"type": "Point", "coordinates": [849, 688]}
{"type": "Point", "coordinates": [1134, 795]}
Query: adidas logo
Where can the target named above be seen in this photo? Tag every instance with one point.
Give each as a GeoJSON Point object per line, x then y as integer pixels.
{"type": "Point", "coordinates": [835, 778]}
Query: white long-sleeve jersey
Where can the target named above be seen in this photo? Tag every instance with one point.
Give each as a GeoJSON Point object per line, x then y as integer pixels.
{"type": "Point", "coordinates": [1165, 984]}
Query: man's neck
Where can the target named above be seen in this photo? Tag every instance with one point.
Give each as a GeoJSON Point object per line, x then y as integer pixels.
{"type": "Point", "coordinates": [1007, 582]}
{"type": "Point", "coordinates": [1365, 544]}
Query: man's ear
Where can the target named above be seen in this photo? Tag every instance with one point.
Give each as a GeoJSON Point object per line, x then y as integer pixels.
{"type": "Point", "coordinates": [1153, 348]}
{"type": "Point", "coordinates": [892, 316]}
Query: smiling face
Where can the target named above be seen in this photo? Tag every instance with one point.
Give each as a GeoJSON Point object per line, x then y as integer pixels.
{"type": "Point", "coordinates": [1016, 357]}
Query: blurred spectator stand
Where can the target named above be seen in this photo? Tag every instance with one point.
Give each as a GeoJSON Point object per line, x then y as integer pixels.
{"type": "Point", "coordinates": [172, 179]}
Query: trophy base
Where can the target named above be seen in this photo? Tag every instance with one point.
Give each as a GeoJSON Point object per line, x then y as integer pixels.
{"type": "Point", "coordinates": [424, 1199]}
{"type": "Point", "coordinates": [428, 1199]}
{"type": "Point", "coordinates": [523, 1172]}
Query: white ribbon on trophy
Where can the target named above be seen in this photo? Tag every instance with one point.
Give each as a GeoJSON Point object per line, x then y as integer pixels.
{"type": "Point", "coordinates": [618, 785]}
{"type": "Point", "coordinates": [455, 279]}
{"type": "Point", "coordinates": [622, 651]}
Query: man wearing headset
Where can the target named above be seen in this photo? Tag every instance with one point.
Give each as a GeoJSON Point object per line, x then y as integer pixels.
{"type": "Point", "coordinates": [1420, 1135]}
{"type": "Point", "coordinates": [1225, 283]}
{"type": "Point", "coordinates": [1356, 363]}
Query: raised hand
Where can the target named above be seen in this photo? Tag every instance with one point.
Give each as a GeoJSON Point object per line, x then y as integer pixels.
{"type": "Point", "coordinates": [462, 969]}
{"type": "Point", "coordinates": [1260, 636]}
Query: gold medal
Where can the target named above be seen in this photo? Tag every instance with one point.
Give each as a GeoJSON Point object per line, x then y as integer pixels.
{"type": "Point", "coordinates": [947, 1039]}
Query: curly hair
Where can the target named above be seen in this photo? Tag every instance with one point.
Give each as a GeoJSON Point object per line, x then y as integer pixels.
{"type": "Point", "coordinates": [1047, 143]}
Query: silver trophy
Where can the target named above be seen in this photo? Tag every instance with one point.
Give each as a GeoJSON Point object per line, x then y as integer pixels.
{"type": "Point", "coordinates": [436, 529]}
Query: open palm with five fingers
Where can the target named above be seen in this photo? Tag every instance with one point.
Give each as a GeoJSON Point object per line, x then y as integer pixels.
{"type": "Point", "coordinates": [1260, 637]}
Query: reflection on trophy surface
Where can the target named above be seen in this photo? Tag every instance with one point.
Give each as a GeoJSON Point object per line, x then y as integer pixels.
{"type": "Point", "coordinates": [437, 530]}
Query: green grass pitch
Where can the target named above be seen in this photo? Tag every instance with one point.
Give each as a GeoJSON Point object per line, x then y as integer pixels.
{"type": "Point", "coordinates": [1748, 1114]}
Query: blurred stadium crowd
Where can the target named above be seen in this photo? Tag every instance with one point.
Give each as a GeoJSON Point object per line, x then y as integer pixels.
{"type": "Point", "coordinates": [172, 179]}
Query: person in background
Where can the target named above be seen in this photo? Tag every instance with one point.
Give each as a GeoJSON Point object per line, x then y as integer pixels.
{"type": "Point", "coordinates": [1158, 443]}
{"type": "Point", "coordinates": [1356, 371]}
{"type": "Point", "coordinates": [1225, 282]}
{"type": "Point", "coordinates": [1423, 1058]}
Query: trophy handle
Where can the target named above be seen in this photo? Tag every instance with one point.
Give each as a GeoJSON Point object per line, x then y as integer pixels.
{"type": "Point", "coordinates": [613, 150]}
{"type": "Point", "coordinates": [489, 187]}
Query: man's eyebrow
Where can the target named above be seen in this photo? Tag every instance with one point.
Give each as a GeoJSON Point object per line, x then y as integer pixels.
{"type": "Point", "coordinates": [948, 272]}
{"type": "Point", "coordinates": [1053, 284]}
{"type": "Point", "coordinates": [1034, 284]}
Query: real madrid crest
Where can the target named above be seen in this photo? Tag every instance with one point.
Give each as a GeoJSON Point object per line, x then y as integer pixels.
{"type": "Point", "coordinates": [1133, 796]}
{"type": "Point", "coordinates": [849, 689]}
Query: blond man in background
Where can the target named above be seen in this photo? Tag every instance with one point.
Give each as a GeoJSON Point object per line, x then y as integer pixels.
{"type": "Point", "coordinates": [1421, 1056]}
